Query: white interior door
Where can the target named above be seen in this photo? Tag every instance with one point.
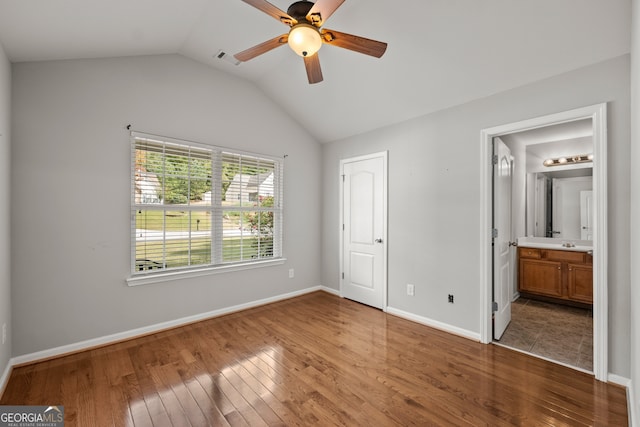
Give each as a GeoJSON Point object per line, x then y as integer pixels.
{"type": "Point", "coordinates": [502, 265]}
{"type": "Point", "coordinates": [364, 230]}
{"type": "Point", "coordinates": [586, 215]}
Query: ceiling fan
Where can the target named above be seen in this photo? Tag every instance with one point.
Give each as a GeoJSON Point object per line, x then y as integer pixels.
{"type": "Point", "coordinates": [306, 35]}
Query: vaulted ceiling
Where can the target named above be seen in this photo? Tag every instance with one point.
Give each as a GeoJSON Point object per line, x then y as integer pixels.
{"type": "Point", "coordinates": [440, 53]}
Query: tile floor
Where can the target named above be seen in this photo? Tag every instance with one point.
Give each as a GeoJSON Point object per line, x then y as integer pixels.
{"type": "Point", "coordinates": [554, 331]}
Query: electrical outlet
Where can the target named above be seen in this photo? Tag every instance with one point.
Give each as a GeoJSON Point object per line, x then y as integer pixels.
{"type": "Point", "coordinates": [4, 333]}
{"type": "Point", "coordinates": [291, 273]}
{"type": "Point", "coordinates": [451, 298]}
{"type": "Point", "coordinates": [411, 290]}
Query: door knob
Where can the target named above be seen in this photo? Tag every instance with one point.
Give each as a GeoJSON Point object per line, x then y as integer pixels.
{"type": "Point", "coordinates": [513, 243]}
{"type": "Point", "coordinates": [378, 240]}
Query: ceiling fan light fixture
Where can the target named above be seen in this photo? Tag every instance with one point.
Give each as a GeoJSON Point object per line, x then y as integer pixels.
{"type": "Point", "coordinates": [304, 39]}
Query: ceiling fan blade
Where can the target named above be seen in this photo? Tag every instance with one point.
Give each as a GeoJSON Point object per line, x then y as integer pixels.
{"type": "Point", "coordinates": [252, 52]}
{"type": "Point", "coordinates": [312, 64]}
{"type": "Point", "coordinates": [272, 11]}
{"type": "Point", "coordinates": [355, 43]}
{"type": "Point", "coordinates": [322, 10]}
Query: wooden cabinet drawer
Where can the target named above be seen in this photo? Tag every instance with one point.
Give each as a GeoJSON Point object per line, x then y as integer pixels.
{"type": "Point", "coordinates": [569, 256]}
{"type": "Point", "coordinates": [529, 253]}
{"type": "Point", "coordinates": [588, 258]}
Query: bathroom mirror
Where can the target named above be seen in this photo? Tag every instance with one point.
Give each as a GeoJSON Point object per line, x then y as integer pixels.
{"type": "Point", "coordinates": [555, 190]}
{"type": "Point", "coordinates": [559, 204]}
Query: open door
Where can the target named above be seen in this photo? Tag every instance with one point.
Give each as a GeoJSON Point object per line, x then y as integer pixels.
{"type": "Point", "coordinates": [502, 265]}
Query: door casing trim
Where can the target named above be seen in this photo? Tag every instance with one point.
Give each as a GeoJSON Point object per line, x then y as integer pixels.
{"type": "Point", "coordinates": [598, 114]}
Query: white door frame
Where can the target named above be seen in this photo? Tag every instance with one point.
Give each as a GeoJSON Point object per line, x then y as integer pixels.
{"type": "Point", "coordinates": [385, 156]}
{"type": "Point", "coordinates": [598, 114]}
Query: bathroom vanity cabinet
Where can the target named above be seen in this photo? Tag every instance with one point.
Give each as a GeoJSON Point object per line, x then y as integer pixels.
{"type": "Point", "coordinates": [564, 276]}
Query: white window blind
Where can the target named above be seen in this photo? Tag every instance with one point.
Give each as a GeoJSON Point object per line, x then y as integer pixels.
{"type": "Point", "coordinates": [197, 206]}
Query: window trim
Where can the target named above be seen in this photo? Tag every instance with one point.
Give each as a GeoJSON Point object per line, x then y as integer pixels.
{"type": "Point", "coordinates": [217, 152]}
{"type": "Point", "coordinates": [166, 276]}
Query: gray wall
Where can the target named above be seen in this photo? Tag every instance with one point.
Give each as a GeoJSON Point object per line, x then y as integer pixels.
{"type": "Point", "coordinates": [5, 174]}
{"type": "Point", "coordinates": [434, 196]}
{"type": "Point", "coordinates": [71, 192]}
{"type": "Point", "coordinates": [635, 207]}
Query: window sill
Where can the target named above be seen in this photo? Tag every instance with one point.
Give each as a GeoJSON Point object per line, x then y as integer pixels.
{"type": "Point", "coordinates": [146, 279]}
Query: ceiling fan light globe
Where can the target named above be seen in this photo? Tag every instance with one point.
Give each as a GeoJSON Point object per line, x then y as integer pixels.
{"type": "Point", "coordinates": [304, 39]}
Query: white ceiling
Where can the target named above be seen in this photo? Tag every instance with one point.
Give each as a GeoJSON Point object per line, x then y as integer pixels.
{"type": "Point", "coordinates": [441, 52]}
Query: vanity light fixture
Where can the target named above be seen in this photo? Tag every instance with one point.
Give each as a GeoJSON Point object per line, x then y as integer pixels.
{"type": "Point", "coordinates": [562, 161]}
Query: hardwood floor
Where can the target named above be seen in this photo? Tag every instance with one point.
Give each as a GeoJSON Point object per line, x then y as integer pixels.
{"type": "Point", "coordinates": [313, 360]}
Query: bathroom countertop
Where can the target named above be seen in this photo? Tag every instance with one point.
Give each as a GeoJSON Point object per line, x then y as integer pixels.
{"type": "Point", "coordinates": [556, 244]}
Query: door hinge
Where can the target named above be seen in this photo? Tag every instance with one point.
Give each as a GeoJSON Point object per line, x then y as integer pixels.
{"type": "Point", "coordinates": [494, 233]}
{"type": "Point", "coordinates": [342, 275]}
{"type": "Point", "coordinates": [343, 178]}
{"type": "Point", "coordinates": [494, 159]}
{"type": "Point", "coordinates": [494, 306]}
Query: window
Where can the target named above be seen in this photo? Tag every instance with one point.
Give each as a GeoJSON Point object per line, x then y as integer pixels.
{"type": "Point", "coordinates": [197, 206]}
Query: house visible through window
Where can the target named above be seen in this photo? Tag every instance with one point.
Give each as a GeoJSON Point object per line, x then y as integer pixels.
{"type": "Point", "coordinates": [197, 206]}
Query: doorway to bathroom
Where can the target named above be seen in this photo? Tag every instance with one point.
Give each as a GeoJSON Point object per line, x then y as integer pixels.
{"type": "Point", "coordinates": [589, 325]}
{"type": "Point", "coordinates": [550, 293]}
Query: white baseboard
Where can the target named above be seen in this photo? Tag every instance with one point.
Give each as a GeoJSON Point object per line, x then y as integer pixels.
{"type": "Point", "coordinates": [4, 379]}
{"type": "Point", "coordinates": [133, 333]}
{"type": "Point", "coordinates": [618, 380]}
{"type": "Point", "coordinates": [632, 405]}
{"type": "Point", "coordinates": [475, 336]}
{"type": "Point", "coordinates": [332, 291]}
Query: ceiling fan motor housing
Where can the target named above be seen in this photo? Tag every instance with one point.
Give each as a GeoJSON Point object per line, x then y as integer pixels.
{"type": "Point", "coordinates": [299, 10]}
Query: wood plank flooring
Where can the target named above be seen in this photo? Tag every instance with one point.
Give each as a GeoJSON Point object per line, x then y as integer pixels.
{"type": "Point", "coordinates": [313, 360]}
